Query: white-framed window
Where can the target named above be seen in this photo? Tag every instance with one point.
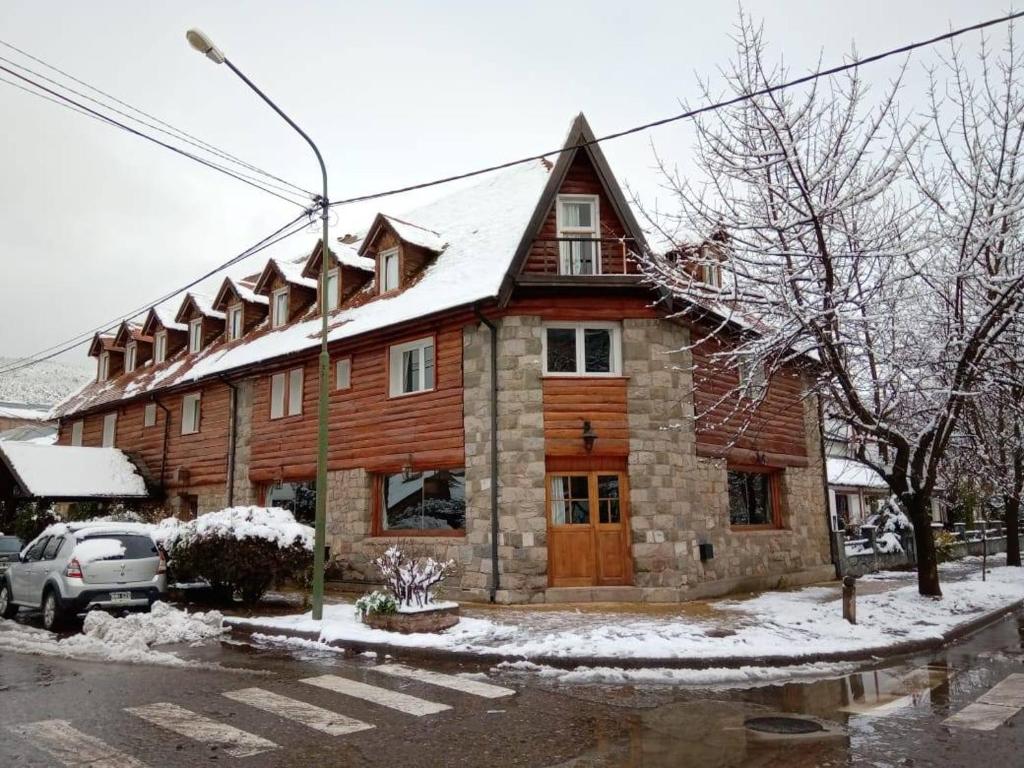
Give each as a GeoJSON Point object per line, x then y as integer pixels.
{"type": "Point", "coordinates": [109, 430]}
{"type": "Point", "coordinates": [582, 349]}
{"type": "Point", "coordinates": [149, 415]}
{"type": "Point", "coordinates": [195, 335]}
{"type": "Point", "coordinates": [235, 316]}
{"type": "Point", "coordinates": [333, 290]}
{"type": "Point", "coordinates": [190, 408]}
{"type": "Point", "coordinates": [286, 393]}
{"type": "Point", "coordinates": [752, 377]}
{"type": "Point", "coordinates": [279, 310]}
{"type": "Point", "coordinates": [76, 432]}
{"type": "Point", "coordinates": [131, 355]}
{"type": "Point", "coordinates": [103, 364]}
{"type": "Point", "coordinates": [160, 347]}
{"type": "Point", "coordinates": [389, 270]}
{"type": "Point", "coordinates": [411, 367]}
{"type": "Point", "coordinates": [577, 220]}
{"type": "Point", "coordinates": [711, 274]}
{"type": "Point", "coordinates": [343, 373]}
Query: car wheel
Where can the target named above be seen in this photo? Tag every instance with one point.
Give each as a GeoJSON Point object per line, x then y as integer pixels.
{"type": "Point", "coordinates": [53, 612]}
{"type": "Point", "coordinates": [8, 609]}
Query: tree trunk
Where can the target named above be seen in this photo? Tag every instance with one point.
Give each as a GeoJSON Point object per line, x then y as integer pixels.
{"type": "Point", "coordinates": [1011, 514]}
{"type": "Point", "coordinates": [919, 509]}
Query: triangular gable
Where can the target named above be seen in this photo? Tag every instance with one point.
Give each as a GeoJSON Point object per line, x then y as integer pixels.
{"type": "Point", "coordinates": [203, 305]}
{"type": "Point", "coordinates": [342, 254]}
{"type": "Point", "coordinates": [287, 271]}
{"type": "Point", "coordinates": [103, 344]}
{"type": "Point", "coordinates": [130, 331]}
{"type": "Point", "coordinates": [232, 291]}
{"type": "Point", "coordinates": [579, 140]}
{"type": "Point", "coordinates": [157, 319]}
{"type": "Point", "coordinates": [406, 231]}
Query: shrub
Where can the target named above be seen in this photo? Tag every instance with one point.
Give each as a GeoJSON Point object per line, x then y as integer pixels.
{"type": "Point", "coordinates": [375, 602]}
{"type": "Point", "coordinates": [944, 546]}
{"type": "Point", "coordinates": [239, 551]}
{"type": "Point", "coordinates": [32, 518]}
{"type": "Point", "coordinates": [411, 579]}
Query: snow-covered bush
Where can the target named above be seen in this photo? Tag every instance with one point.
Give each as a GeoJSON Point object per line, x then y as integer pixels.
{"type": "Point", "coordinates": [411, 579]}
{"type": "Point", "coordinates": [375, 602]}
{"type": "Point", "coordinates": [890, 518]}
{"type": "Point", "coordinates": [239, 550]}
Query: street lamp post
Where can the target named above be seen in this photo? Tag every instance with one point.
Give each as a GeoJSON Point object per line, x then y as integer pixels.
{"type": "Point", "coordinates": [204, 45]}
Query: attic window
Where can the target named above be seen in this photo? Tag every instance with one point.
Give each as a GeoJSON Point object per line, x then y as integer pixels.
{"type": "Point", "coordinates": [578, 244]}
{"type": "Point", "coordinates": [333, 295]}
{"type": "Point", "coordinates": [131, 354]}
{"type": "Point", "coordinates": [195, 335]}
{"type": "Point", "coordinates": [234, 322]}
{"type": "Point", "coordinates": [103, 370]}
{"type": "Point", "coordinates": [388, 270]}
{"type": "Point", "coordinates": [160, 347]}
{"type": "Point", "coordinates": [280, 308]}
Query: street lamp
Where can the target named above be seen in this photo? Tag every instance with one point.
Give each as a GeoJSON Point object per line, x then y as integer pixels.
{"type": "Point", "coordinates": [205, 46]}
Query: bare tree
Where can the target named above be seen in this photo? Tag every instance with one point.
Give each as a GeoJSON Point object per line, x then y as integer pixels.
{"type": "Point", "coordinates": [863, 241]}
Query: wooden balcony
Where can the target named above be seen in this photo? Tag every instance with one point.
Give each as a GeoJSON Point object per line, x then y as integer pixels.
{"type": "Point", "coordinates": [561, 260]}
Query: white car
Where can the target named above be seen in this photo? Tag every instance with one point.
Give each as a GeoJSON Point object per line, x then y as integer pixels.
{"type": "Point", "coordinates": [70, 569]}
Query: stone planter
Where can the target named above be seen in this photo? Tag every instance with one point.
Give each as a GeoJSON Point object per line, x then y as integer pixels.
{"type": "Point", "coordinates": [434, 620]}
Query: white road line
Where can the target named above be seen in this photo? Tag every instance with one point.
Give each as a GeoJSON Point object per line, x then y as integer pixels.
{"type": "Point", "coordinates": [994, 707]}
{"type": "Point", "coordinates": [1008, 692]}
{"type": "Point", "coordinates": [393, 699]}
{"type": "Point", "coordinates": [72, 747]}
{"type": "Point", "coordinates": [456, 683]}
{"type": "Point", "coordinates": [300, 711]}
{"type": "Point", "coordinates": [236, 743]}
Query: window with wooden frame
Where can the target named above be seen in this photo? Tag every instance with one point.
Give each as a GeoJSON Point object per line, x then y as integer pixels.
{"type": "Point", "coordinates": [160, 347]}
{"type": "Point", "coordinates": [76, 432]}
{"type": "Point", "coordinates": [286, 393]}
{"type": "Point", "coordinates": [582, 349]}
{"type": "Point", "coordinates": [279, 308]}
{"type": "Point", "coordinates": [343, 373]}
{"type": "Point", "coordinates": [149, 415]}
{"type": "Point", "coordinates": [333, 290]}
{"type": "Point", "coordinates": [236, 314]}
{"type": "Point", "coordinates": [190, 408]}
{"type": "Point", "coordinates": [131, 354]}
{"type": "Point", "coordinates": [109, 430]}
{"type": "Point", "coordinates": [103, 366]}
{"type": "Point", "coordinates": [195, 335]}
{"type": "Point", "coordinates": [582, 498]}
{"type": "Point", "coordinates": [389, 270]}
{"type": "Point", "coordinates": [411, 367]}
{"type": "Point", "coordinates": [577, 221]}
{"type": "Point", "coordinates": [755, 497]}
{"type": "Point", "coordinates": [425, 503]}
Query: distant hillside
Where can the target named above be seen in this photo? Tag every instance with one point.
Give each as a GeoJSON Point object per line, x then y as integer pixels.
{"type": "Point", "coordinates": [46, 383]}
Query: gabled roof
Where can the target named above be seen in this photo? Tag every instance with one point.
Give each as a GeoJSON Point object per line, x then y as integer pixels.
{"type": "Point", "coordinates": [103, 344]}
{"type": "Point", "coordinates": [202, 303]}
{"type": "Point", "coordinates": [131, 332]}
{"type": "Point", "coordinates": [71, 472]}
{"type": "Point", "coordinates": [345, 254]}
{"type": "Point", "coordinates": [240, 288]}
{"type": "Point", "coordinates": [163, 316]}
{"type": "Point", "coordinates": [414, 234]}
{"type": "Point", "coordinates": [289, 271]}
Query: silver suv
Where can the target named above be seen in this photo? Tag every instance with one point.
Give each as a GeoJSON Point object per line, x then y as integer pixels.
{"type": "Point", "coordinates": [70, 569]}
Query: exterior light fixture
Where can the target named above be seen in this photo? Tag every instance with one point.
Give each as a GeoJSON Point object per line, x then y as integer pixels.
{"type": "Point", "coordinates": [198, 40]}
{"type": "Point", "coordinates": [589, 436]}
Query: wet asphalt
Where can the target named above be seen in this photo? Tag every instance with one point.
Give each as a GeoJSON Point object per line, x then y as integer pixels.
{"type": "Point", "coordinates": [891, 714]}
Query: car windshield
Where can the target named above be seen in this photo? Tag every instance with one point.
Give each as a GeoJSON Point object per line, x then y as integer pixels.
{"type": "Point", "coordinates": [9, 544]}
{"type": "Point", "coordinates": [135, 547]}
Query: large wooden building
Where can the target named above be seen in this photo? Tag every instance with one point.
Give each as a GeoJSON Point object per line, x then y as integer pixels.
{"type": "Point", "coordinates": [504, 388]}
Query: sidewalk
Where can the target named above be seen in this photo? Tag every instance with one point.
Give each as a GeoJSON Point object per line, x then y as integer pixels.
{"type": "Point", "coordinates": [770, 629]}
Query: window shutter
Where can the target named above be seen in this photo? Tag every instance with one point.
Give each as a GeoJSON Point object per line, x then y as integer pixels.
{"type": "Point", "coordinates": [277, 395]}
{"type": "Point", "coordinates": [295, 392]}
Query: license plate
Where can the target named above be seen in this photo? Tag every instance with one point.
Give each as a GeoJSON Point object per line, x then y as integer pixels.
{"type": "Point", "coordinates": [120, 597]}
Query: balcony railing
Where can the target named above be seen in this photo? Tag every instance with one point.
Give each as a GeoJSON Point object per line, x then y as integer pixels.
{"type": "Point", "coordinates": [581, 256]}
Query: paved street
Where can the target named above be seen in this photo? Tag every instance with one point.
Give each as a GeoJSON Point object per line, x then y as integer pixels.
{"type": "Point", "coordinates": [278, 707]}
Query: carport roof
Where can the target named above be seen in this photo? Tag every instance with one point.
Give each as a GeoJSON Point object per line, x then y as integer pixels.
{"type": "Point", "coordinates": [71, 472]}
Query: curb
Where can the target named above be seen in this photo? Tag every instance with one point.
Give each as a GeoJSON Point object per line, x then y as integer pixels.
{"type": "Point", "coordinates": [704, 662]}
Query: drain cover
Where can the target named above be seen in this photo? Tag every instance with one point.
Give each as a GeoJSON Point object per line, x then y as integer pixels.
{"type": "Point", "coordinates": [783, 725]}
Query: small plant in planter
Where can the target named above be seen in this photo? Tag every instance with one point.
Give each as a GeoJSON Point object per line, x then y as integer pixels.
{"type": "Point", "coordinates": [409, 604]}
{"type": "Point", "coordinates": [376, 602]}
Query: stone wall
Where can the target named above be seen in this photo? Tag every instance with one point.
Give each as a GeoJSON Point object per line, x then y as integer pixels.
{"type": "Point", "coordinates": [245, 491]}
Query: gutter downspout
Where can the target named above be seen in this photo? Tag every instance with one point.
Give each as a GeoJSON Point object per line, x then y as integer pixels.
{"type": "Point", "coordinates": [232, 440]}
{"type": "Point", "coordinates": [167, 434]}
{"type": "Point", "coordinates": [495, 573]}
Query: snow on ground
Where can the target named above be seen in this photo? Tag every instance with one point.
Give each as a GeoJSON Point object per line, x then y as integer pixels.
{"type": "Point", "coordinates": [126, 640]}
{"type": "Point", "coordinates": [798, 623]}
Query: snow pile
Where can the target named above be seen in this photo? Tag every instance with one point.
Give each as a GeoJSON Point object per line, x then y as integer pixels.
{"type": "Point", "coordinates": [91, 550]}
{"type": "Point", "coordinates": [272, 524]}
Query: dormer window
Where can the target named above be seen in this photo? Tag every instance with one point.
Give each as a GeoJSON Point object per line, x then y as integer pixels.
{"type": "Point", "coordinates": [131, 353]}
{"type": "Point", "coordinates": [160, 347]}
{"type": "Point", "coordinates": [333, 295]}
{"type": "Point", "coordinates": [279, 310]}
{"type": "Point", "coordinates": [578, 244]}
{"type": "Point", "coordinates": [235, 316]}
{"type": "Point", "coordinates": [388, 270]}
{"type": "Point", "coordinates": [711, 275]}
{"type": "Point", "coordinates": [104, 367]}
{"type": "Point", "coordinates": [195, 335]}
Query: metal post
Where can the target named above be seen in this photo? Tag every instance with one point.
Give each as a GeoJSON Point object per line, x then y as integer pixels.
{"type": "Point", "coordinates": [850, 599]}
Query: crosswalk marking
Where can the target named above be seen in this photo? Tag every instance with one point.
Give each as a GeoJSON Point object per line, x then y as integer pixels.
{"type": "Point", "coordinates": [236, 743]}
{"type": "Point", "coordinates": [300, 711]}
{"type": "Point", "coordinates": [386, 698]}
{"type": "Point", "coordinates": [71, 747]}
{"type": "Point", "coordinates": [465, 685]}
{"type": "Point", "coordinates": [993, 708]}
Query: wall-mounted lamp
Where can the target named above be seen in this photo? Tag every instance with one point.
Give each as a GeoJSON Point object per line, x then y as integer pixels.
{"type": "Point", "coordinates": [589, 436]}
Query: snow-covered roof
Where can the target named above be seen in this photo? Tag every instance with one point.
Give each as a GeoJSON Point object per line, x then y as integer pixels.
{"type": "Point", "coordinates": [72, 472]}
{"type": "Point", "coordinates": [291, 271]}
{"type": "Point", "coordinates": [42, 433]}
{"type": "Point", "coordinates": [246, 293]}
{"type": "Point", "coordinates": [853, 474]}
{"type": "Point", "coordinates": [204, 303]}
{"type": "Point", "coordinates": [166, 315]}
{"type": "Point", "coordinates": [416, 235]}
{"type": "Point", "coordinates": [348, 254]}
{"type": "Point", "coordinates": [27, 411]}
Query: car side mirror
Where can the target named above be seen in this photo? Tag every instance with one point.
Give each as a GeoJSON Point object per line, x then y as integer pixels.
{"type": "Point", "coordinates": [22, 558]}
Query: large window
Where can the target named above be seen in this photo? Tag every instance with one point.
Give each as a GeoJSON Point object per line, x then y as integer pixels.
{"type": "Point", "coordinates": [412, 367]}
{"type": "Point", "coordinates": [286, 394]}
{"type": "Point", "coordinates": [109, 430]}
{"type": "Point", "coordinates": [235, 316]}
{"type": "Point", "coordinates": [753, 498]}
{"type": "Point", "coordinates": [388, 270]}
{"type": "Point", "coordinates": [581, 349]}
{"type": "Point", "coordinates": [297, 497]}
{"type": "Point", "coordinates": [279, 310]}
{"type": "Point", "coordinates": [190, 409]}
{"type": "Point", "coordinates": [160, 347]}
{"type": "Point", "coordinates": [195, 335]}
{"type": "Point", "coordinates": [431, 501]}
{"type": "Point", "coordinates": [579, 246]}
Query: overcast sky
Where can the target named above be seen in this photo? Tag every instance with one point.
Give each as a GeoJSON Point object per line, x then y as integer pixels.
{"type": "Point", "coordinates": [94, 222]}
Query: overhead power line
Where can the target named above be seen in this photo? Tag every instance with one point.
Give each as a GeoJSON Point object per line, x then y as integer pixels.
{"type": "Point", "coordinates": [170, 129]}
{"type": "Point", "coordinates": [692, 112]}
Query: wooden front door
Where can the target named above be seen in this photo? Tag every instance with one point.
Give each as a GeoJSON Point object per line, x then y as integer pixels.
{"type": "Point", "coordinates": [588, 529]}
